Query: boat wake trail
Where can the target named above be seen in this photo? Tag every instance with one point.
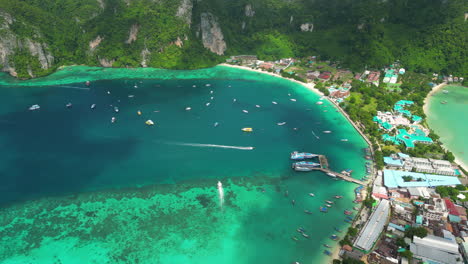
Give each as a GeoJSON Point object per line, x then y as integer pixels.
{"type": "Point", "coordinates": [213, 146]}
{"type": "Point", "coordinates": [315, 135]}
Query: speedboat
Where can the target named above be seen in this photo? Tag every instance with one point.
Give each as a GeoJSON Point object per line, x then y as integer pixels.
{"type": "Point", "coordinates": [327, 246]}
{"type": "Point", "coordinates": [281, 123]}
{"type": "Point", "coordinates": [211, 98]}
{"type": "Point", "coordinates": [234, 100]}
{"type": "Point", "coordinates": [245, 111]}
{"type": "Point", "coordinates": [292, 99]}
{"type": "Point", "coordinates": [327, 131]}
{"type": "Point", "coordinates": [207, 104]}
{"type": "Point", "coordinates": [216, 124]}
{"type": "Point", "coordinates": [93, 106]}
{"type": "Point", "coordinates": [319, 102]}
{"type": "Point", "coordinates": [188, 108]}
{"type": "Point", "coordinates": [34, 107]}
{"type": "Point", "coordinates": [257, 106]}
{"type": "Point", "coordinates": [295, 238]}
{"type": "Point", "coordinates": [273, 102]}
{"type": "Point", "coordinates": [113, 119]}
{"type": "Point", "coordinates": [116, 109]}
{"type": "Point", "coordinates": [347, 212]}
{"type": "Point", "coordinates": [108, 92]}
{"type": "Point", "coordinates": [301, 229]}
{"type": "Point", "coordinates": [138, 112]}
{"type": "Point", "coordinates": [194, 86]}
{"type": "Point", "coordinates": [445, 91]}
{"type": "Point", "coordinates": [211, 92]}
{"type": "Point", "coordinates": [328, 205]}
{"type": "Point", "coordinates": [307, 212]}
{"type": "Point", "coordinates": [311, 194]}
{"type": "Point", "coordinates": [305, 235]}
{"type": "Point", "coordinates": [344, 139]}
{"type": "Point", "coordinates": [69, 105]}
{"type": "Point", "coordinates": [149, 122]}
{"type": "Point", "coordinates": [329, 202]}
{"type": "Point", "coordinates": [131, 96]}
{"type": "Point", "coordinates": [247, 129]}
{"type": "Point", "coordinates": [338, 196]}
{"type": "Point", "coordinates": [331, 174]}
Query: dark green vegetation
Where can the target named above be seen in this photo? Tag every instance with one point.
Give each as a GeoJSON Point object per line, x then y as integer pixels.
{"type": "Point", "coordinates": [424, 35]}
{"type": "Point", "coordinates": [350, 235]}
{"type": "Point", "coordinates": [416, 231]}
{"type": "Point", "coordinates": [447, 191]}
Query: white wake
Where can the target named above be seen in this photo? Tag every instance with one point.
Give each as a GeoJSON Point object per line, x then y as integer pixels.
{"type": "Point", "coordinates": [213, 146]}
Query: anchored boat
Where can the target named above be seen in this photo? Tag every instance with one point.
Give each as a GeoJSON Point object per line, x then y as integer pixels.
{"type": "Point", "coordinates": [247, 129]}
{"type": "Point", "coordinates": [302, 155]}
{"type": "Point", "coordinates": [34, 107]}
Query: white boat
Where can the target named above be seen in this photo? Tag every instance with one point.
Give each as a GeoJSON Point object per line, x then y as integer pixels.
{"type": "Point", "coordinates": [445, 91]}
{"type": "Point", "coordinates": [273, 102]}
{"type": "Point", "coordinates": [149, 122]}
{"type": "Point", "coordinates": [216, 124]}
{"type": "Point", "coordinates": [331, 174]}
{"type": "Point", "coordinates": [245, 111]}
{"type": "Point", "coordinates": [292, 99]}
{"type": "Point", "coordinates": [108, 92]}
{"type": "Point", "coordinates": [207, 85]}
{"type": "Point", "coordinates": [311, 194]}
{"type": "Point", "coordinates": [281, 123]}
{"type": "Point", "coordinates": [234, 100]}
{"type": "Point", "coordinates": [289, 94]}
{"type": "Point", "coordinates": [211, 92]}
{"type": "Point", "coordinates": [135, 86]}
{"type": "Point", "coordinates": [258, 106]}
{"type": "Point", "coordinates": [194, 85]}
{"type": "Point", "coordinates": [207, 104]}
{"type": "Point", "coordinates": [34, 107]}
{"type": "Point", "coordinates": [113, 119]}
{"type": "Point", "coordinates": [188, 108]}
{"type": "Point", "coordinates": [319, 102]}
{"type": "Point", "coordinates": [327, 131]}
{"type": "Point", "coordinates": [131, 96]}
{"type": "Point", "coordinates": [116, 109]}
{"type": "Point", "coordinates": [211, 97]}
{"type": "Point", "coordinates": [93, 106]}
{"type": "Point", "coordinates": [69, 105]}
{"type": "Point", "coordinates": [344, 139]}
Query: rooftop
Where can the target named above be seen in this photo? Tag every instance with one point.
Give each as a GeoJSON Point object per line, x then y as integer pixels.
{"type": "Point", "coordinates": [436, 249]}
{"type": "Point", "coordinates": [394, 179]}
{"type": "Point", "coordinates": [374, 226]}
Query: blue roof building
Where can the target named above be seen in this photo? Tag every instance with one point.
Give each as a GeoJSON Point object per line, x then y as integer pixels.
{"type": "Point", "coordinates": [389, 161]}
{"type": "Point", "coordinates": [394, 179]}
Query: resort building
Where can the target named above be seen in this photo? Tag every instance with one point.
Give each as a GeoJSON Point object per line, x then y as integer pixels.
{"type": "Point", "coordinates": [243, 59]}
{"type": "Point", "coordinates": [394, 179]}
{"type": "Point", "coordinates": [371, 231]}
{"type": "Point", "coordinates": [409, 140]}
{"type": "Point", "coordinates": [391, 76]}
{"type": "Point", "coordinates": [431, 166]}
{"type": "Point", "coordinates": [433, 249]}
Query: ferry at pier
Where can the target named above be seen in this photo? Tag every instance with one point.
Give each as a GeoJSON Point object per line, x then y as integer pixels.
{"type": "Point", "coordinates": [302, 155]}
{"type": "Point", "coordinates": [305, 166]}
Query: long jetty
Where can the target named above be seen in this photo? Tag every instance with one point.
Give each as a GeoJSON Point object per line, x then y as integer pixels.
{"type": "Point", "coordinates": [324, 168]}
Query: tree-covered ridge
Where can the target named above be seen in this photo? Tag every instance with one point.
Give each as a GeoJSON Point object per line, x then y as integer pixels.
{"type": "Point", "coordinates": [425, 35]}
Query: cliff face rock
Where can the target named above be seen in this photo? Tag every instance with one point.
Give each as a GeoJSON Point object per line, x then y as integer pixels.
{"type": "Point", "coordinates": [307, 27]}
{"type": "Point", "coordinates": [249, 11]}
{"type": "Point", "coordinates": [94, 43]}
{"type": "Point", "coordinates": [40, 50]}
{"type": "Point", "coordinates": [105, 62]}
{"type": "Point", "coordinates": [212, 36]}
{"type": "Point", "coordinates": [144, 54]}
{"type": "Point", "coordinates": [132, 36]}
{"type": "Point", "coordinates": [7, 43]}
{"type": "Point", "coordinates": [185, 11]}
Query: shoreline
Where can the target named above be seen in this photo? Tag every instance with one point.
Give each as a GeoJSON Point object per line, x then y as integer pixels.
{"type": "Point", "coordinates": [335, 250]}
{"type": "Point", "coordinates": [426, 107]}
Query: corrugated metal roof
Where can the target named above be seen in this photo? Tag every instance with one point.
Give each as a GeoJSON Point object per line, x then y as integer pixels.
{"type": "Point", "coordinates": [374, 226]}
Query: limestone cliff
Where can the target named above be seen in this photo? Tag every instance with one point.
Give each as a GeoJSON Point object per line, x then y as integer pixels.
{"type": "Point", "coordinates": [212, 36]}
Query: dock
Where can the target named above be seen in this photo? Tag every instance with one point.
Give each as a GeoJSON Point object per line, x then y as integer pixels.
{"type": "Point", "coordinates": [324, 168]}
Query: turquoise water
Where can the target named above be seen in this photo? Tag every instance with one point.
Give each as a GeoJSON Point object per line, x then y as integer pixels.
{"type": "Point", "coordinates": [449, 120]}
{"type": "Point", "coordinates": [62, 161]}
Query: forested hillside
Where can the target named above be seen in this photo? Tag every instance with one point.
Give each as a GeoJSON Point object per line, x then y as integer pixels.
{"type": "Point", "coordinates": [37, 36]}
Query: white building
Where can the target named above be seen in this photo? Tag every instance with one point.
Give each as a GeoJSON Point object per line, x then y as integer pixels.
{"type": "Point", "coordinates": [434, 249]}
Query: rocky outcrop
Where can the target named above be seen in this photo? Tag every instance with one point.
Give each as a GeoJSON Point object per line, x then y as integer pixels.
{"type": "Point", "coordinates": [178, 42]}
{"type": "Point", "coordinates": [40, 50]}
{"type": "Point", "coordinates": [105, 62]}
{"type": "Point", "coordinates": [249, 11]}
{"type": "Point", "coordinates": [185, 11]}
{"type": "Point", "coordinates": [307, 27]}
{"type": "Point", "coordinates": [144, 55]}
{"type": "Point", "coordinates": [132, 35]}
{"type": "Point", "coordinates": [94, 43]}
{"type": "Point", "coordinates": [212, 36]}
{"type": "Point", "coordinates": [466, 16]}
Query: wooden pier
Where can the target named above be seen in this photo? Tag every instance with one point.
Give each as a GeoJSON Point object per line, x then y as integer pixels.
{"type": "Point", "coordinates": [324, 168]}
